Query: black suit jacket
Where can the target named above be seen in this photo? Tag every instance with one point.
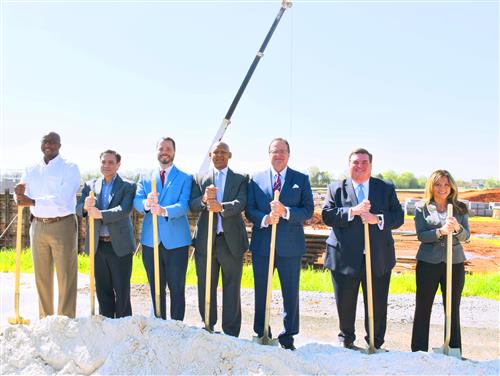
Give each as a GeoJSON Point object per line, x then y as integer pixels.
{"type": "Point", "coordinates": [346, 240]}
{"type": "Point", "coordinates": [117, 217]}
{"type": "Point", "coordinates": [233, 204]}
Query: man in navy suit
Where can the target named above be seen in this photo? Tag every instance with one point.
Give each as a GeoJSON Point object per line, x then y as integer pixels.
{"type": "Point", "coordinates": [171, 204]}
{"type": "Point", "coordinates": [295, 206]}
{"type": "Point", "coordinates": [349, 204]}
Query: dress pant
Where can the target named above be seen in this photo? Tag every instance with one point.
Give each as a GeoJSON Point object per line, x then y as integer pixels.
{"type": "Point", "coordinates": [55, 244]}
{"type": "Point", "coordinates": [112, 281]}
{"type": "Point", "coordinates": [289, 275]}
{"type": "Point", "coordinates": [231, 268]}
{"type": "Point", "coordinates": [173, 268]}
{"type": "Point", "coordinates": [346, 290]}
{"type": "Point", "coordinates": [429, 276]}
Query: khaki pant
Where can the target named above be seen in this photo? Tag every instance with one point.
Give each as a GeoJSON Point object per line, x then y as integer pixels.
{"type": "Point", "coordinates": [55, 243]}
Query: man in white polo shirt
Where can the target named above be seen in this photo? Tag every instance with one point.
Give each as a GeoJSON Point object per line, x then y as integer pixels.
{"type": "Point", "coordinates": [49, 189]}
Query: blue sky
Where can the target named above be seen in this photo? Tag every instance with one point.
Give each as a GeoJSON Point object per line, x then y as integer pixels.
{"type": "Point", "coordinates": [416, 83]}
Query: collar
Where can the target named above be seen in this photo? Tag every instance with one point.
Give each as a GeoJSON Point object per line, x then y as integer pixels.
{"type": "Point", "coordinates": [224, 171]}
{"type": "Point", "coordinates": [282, 173]}
{"type": "Point", "coordinates": [53, 161]}
{"type": "Point", "coordinates": [366, 184]}
{"type": "Point", "coordinates": [167, 170]}
{"type": "Point", "coordinates": [111, 182]}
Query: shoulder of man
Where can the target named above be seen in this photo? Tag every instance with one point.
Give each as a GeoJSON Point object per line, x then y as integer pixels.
{"type": "Point", "coordinates": [382, 183]}
{"type": "Point", "coordinates": [242, 175]}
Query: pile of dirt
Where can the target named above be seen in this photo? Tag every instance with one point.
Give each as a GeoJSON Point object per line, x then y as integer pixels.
{"type": "Point", "coordinates": [485, 195]}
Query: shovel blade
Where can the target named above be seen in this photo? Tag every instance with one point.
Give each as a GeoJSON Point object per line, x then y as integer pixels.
{"type": "Point", "coordinates": [18, 320]}
{"type": "Point", "coordinates": [265, 341]}
{"type": "Point", "coordinates": [451, 351]}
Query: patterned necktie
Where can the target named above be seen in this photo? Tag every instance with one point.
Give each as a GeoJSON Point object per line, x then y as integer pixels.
{"type": "Point", "coordinates": [162, 177]}
{"type": "Point", "coordinates": [361, 193]}
{"type": "Point", "coordinates": [277, 183]}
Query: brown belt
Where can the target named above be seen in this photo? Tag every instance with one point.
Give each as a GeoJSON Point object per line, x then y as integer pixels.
{"type": "Point", "coordinates": [105, 239]}
{"type": "Point", "coordinates": [51, 220]}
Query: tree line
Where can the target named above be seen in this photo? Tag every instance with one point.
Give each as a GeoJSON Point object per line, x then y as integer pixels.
{"type": "Point", "coordinates": [404, 180]}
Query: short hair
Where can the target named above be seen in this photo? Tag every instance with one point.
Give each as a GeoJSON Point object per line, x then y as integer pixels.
{"type": "Point", "coordinates": [361, 151]}
{"type": "Point", "coordinates": [118, 157]}
{"type": "Point", "coordinates": [279, 139]}
{"type": "Point", "coordinates": [54, 135]}
{"type": "Point", "coordinates": [161, 139]}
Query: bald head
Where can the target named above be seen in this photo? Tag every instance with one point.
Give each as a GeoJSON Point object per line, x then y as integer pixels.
{"type": "Point", "coordinates": [220, 155]}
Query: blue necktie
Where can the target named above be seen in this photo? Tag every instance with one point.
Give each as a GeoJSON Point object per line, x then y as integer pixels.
{"type": "Point", "coordinates": [220, 194]}
{"type": "Point", "coordinates": [361, 193]}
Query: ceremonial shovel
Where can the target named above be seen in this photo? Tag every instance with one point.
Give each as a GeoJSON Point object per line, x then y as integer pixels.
{"type": "Point", "coordinates": [91, 257]}
{"type": "Point", "coordinates": [265, 339]}
{"type": "Point", "coordinates": [18, 319]}
{"type": "Point", "coordinates": [156, 256]}
{"type": "Point", "coordinates": [369, 291]}
{"type": "Point", "coordinates": [446, 349]}
{"type": "Point", "coordinates": [211, 194]}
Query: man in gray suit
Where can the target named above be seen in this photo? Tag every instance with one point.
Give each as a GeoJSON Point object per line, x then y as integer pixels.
{"type": "Point", "coordinates": [113, 234]}
{"type": "Point", "coordinates": [230, 239]}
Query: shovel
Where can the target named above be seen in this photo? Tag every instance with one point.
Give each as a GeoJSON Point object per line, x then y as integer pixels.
{"type": "Point", "coordinates": [446, 349]}
{"type": "Point", "coordinates": [91, 257]}
{"type": "Point", "coordinates": [208, 272]}
{"type": "Point", "coordinates": [265, 339]}
{"type": "Point", "coordinates": [369, 291]}
{"type": "Point", "coordinates": [18, 319]}
{"type": "Point", "coordinates": [156, 255]}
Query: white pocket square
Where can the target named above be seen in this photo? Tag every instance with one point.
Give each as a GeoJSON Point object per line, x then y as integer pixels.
{"type": "Point", "coordinates": [295, 186]}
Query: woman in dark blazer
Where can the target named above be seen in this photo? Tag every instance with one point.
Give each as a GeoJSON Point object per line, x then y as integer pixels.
{"type": "Point", "coordinates": [433, 225]}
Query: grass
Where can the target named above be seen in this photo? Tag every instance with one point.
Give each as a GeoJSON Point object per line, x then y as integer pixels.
{"type": "Point", "coordinates": [485, 285]}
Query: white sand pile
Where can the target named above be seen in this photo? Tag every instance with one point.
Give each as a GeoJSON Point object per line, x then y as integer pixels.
{"type": "Point", "coordinates": [140, 345]}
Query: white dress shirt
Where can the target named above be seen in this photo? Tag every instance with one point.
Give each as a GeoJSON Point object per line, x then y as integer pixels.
{"type": "Point", "coordinates": [53, 186]}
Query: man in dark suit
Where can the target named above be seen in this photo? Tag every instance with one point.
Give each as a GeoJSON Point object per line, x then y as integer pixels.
{"type": "Point", "coordinates": [295, 206]}
{"type": "Point", "coordinates": [229, 238]}
{"type": "Point", "coordinates": [349, 204]}
{"type": "Point", "coordinates": [113, 234]}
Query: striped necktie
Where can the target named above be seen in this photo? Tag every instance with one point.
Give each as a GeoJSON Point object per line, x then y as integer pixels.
{"type": "Point", "coordinates": [277, 183]}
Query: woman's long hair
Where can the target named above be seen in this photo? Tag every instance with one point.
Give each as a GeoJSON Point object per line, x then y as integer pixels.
{"type": "Point", "coordinates": [458, 206]}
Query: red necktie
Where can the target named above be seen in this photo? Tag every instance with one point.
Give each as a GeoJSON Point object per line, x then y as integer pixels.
{"type": "Point", "coordinates": [162, 177]}
{"type": "Point", "coordinates": [277, 183]}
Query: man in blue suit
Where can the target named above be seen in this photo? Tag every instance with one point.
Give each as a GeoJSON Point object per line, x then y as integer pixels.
{"type": "Point", "coordinates": [349, 204]}
{"type": "Point", "coordinates": [170, 203]}
{"type": "Point", "coordinates": [295, 206]}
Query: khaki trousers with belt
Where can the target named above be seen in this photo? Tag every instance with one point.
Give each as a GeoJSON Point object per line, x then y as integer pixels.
{"type": "Point", "coordinates": [55, 244]}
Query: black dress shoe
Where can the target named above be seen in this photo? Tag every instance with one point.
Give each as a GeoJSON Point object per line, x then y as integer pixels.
{"type": "Point", "coordinates": [349, 345]}
{"type": "Point", "coordinates": [288, 347]}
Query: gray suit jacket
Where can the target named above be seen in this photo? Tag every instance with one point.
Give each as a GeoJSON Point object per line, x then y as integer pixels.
{"type": "Point", "coordinates": [117, 217]}
{"type": "Point", "coordinates": [233, 204]}
{"type": "Point", "coordinates": [433, 249]}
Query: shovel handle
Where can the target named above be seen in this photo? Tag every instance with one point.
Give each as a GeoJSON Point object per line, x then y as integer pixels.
{"type": "Point", "coordinates": [369, 290]}
{"type": "Point", "coordinates": [270, 271]}
{"type": "Point", "coordinates": [449, 275]}
{"type": "Point", "coordinates": [156, 256]}
{"type": "Point", "coordinates": [92, 258]}
{"type": "Point", "coordinates": [208, 270]}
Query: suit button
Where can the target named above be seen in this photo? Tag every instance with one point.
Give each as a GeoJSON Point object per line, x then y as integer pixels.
{"type": "Point", "coordinates": [442, 244]}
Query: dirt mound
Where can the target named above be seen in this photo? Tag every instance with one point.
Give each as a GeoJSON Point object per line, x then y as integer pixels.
{"type": "Point", "coordinates": [485, 195]}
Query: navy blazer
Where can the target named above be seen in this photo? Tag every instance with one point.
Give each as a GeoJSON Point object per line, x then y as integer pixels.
{"type": "Point", "coordinates": [296, 194]}
{"type": "Point", "coordinates": [347, 240]}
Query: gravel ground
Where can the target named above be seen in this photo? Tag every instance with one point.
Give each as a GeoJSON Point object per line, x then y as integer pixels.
{"type": "Point", "coordinates": [319, 323]}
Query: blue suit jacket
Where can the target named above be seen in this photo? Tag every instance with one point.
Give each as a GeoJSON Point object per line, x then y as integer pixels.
{"type": "Point", "coordinates": [297, 195]}
{"type": "Point", "coordinates": [173, 231]}
{"type": "Point", "coordinates": [347, 238]}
